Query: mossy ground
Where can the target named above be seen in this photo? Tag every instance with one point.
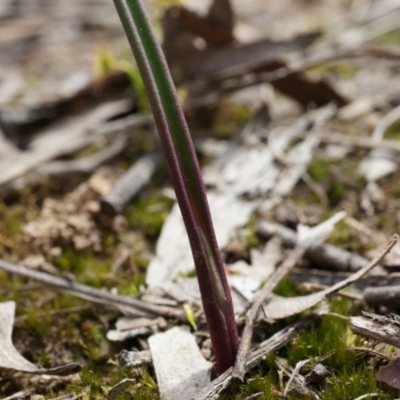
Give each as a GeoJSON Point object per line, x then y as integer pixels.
{"type": "Point", "coordinates": [53, 328]}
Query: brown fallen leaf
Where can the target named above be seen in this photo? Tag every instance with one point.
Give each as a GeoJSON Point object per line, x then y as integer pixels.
{"type": "Point", "coordinates": [224, 59]}
{"type": "Point", "coordinates": [20, 30]}
{"type": "Point", "coordinates": [235, 60]}
{"type": "Point", "coordinates": [208, 28]}
{"type": "Point", "coordinates": [389, 375]}
{"type": "Point", "coordinates": [9, 356]}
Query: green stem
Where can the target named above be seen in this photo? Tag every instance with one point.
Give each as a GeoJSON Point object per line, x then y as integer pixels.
{"type": "Point", "coordinates": [186, 178]}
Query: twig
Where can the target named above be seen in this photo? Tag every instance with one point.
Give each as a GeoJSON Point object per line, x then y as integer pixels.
{"type": "Point", "coordinates": [251, 314]}
{"type": "Point", "coordinates": [130, 183]}
{"type": "Point", "coordinates": [377, 327]}
{"type": "Point", "coordinates": [359, 141]}
{"type": "Point", "coordinates": [81, 165]}
{"type": "Point", "coordinates": [367, 396]}
{"type": "Point", "coordinates": [72, 134]}
{"type": "Point", "coordinates": [330, 256]}
{"type": "Point", "coordinates": [389, 119]}
{"type": "Point", "coordinates": [246, 80]}
{"type": "Point", "coordinates": [275, 342]}
{"type": "Point", "coordinates": [287, 265]}
{"type": "Point", "coordinates": [87, 164]}
{"type": "Point", "coordinates": [89, 293]}
{"type": "Point", "coordinates": [382, 296]}
{"type": "Point", "coordinates": [293, 376]}
{"type": "Point", "coordinates": [329, 56]}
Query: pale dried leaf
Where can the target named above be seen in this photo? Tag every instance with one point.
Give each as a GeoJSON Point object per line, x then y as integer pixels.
{"type": "Point", "coordinates": [389, 374]}
{"type": "Point", "coordinates": [279, 307]}
{"type": "Point", "coordinates": [181, 369]}
{"type": "Point", "coordinates": [380, 163]}
{"type": "Point", "coordinates": [314, 236]}
{"type": "Point", "coordinates": [9, 356]}
{"type": "Point", "coordinates": [131, 327]}
{"type": "Point", "coordinates": [134, 359]}
{"type": "Point", "coordinates": [173, 255]}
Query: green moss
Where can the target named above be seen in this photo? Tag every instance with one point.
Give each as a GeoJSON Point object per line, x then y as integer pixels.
{"type": "Point", "coordinates": [391, 38]}
{"type": "Point", "coordinates": [88, 267]}
{"type": "Point", "coordinates": [319, 169]}
{"type": "Point", "coordinates": [393, 132]}
{"type": "Point", "coordinates": [396, 190]}
{"type": "Point", "coordinates": [331, 336]}
{"type": "Point", "coordinates": [286, 288]}
{"type": "Point", "coordinates": [350, 383]}
{"type": "Point", "coordinates": [251, 238]}
{"type": "Point", "coordinates": [229, 118]}
{"type": "Point", "coordinates": [148, 214]}
{"type": "Point", "coordinates": [265, 384]}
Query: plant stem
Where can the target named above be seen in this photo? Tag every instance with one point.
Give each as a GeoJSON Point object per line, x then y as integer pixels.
{"type": "Point", "coordinates": [186, 178]}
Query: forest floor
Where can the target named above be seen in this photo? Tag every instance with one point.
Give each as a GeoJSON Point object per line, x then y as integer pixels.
{"type": "Point", "coordinates": [294, 108]}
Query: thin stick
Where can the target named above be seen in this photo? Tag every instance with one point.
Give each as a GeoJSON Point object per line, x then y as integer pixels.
{"type": "Point", "coordinates": [244, 350]}
{"type": "Point", "coordinates": [359, 141]}
{"type": "Point", "coordinates": [382, 126]}
{"type": "Point", "coordinates": [382, 296]}
{"type": "Point", "coordinates": [377, 327]}
{"type": "Point", "coordinates": [293, 376]}
{"type": "Point", "coordinates": [92, 294]}
{"type": "Point", "coordinates": [251, 314]}
{"type": "Point", "coordinates": [330, 256]}
{"type": "Point", "coordinates": [131, 182]}
{"type": "Point", "coordinates": [275, 342]}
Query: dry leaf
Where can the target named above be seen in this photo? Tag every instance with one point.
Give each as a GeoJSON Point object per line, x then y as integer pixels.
{"type": "Point", "coordinates": [9, 356]}
{"type": "Point", "coordinates": [280, 307]}
{"type": "Point", "coordinates": [389, 375]}
{"type": "Point", "coordinates": [181, 369]}
{"type": "Point", "coordinates": [173, 255]}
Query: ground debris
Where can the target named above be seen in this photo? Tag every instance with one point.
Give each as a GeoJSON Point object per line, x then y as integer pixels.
{"type": "Point", "coordinates": [69, 221]}
{"type": "Point", "coordinates": [317, 374]}
{"type": "Point", "coordinates": [134, 359]}
{"type": "Point", "coordinates": [120, 387]}
{"type": "Point", "coordinates": [383, 328]}
{"type": "Point", "coordinates": [181, 369]}
{"type": "Point", "coordinates": [293, 164]}
{"type": "Point", "coordinates": [388, 375]}
{"type": "Point", "coordinates": [9, 356]}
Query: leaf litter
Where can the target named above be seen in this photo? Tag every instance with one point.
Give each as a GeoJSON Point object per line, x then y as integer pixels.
{"type": "Point", "coordinates": [271, 160]}
{"type": "Point", "coordinates": [9, 356]}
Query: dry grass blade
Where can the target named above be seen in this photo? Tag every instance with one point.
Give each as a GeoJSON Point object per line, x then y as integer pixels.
{"type": "Point", "coordinates": [130, 183]}
{"type": "Point", "coordinates": [128, 304]}
{"type": "Point", "coordinates": [251, 315]}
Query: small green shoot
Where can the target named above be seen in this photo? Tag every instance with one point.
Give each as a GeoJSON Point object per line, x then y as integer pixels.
{"type": "Point", "coordinates": [189, 314]}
